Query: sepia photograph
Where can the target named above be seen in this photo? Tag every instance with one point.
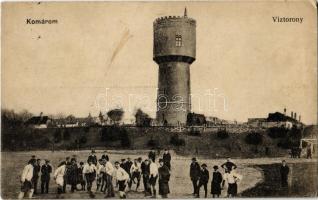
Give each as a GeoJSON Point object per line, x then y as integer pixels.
{"type": "Point", "coordinates": [159, 99]}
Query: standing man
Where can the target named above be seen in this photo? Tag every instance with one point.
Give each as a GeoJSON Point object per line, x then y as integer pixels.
{"type": "Point", "coordinates": [46, 171]}
{"type": "Point", "coordinates": [284, 171]}
{"type": "Point", "coordinates": [164, 177]}
{"type": "Point", "coordinates": [89, 172]}
{"type": "Point", "coordinates": [109, 178]}
{"type": "Point", "coordinates": [122, 178]}
{"type": "Point", "coordinates": [26, 179]}
{"type": "Point", "coordinates": [80, 175]}
{"type": "Point", "coordinates": [73, 174]}
{"type": "Point", "coordinates": [153, 178]}
{"type": "Point", "coordinates": [167, 158]}
{"type": "Point", "coordinates": [152, 155]}
{"type": "Point", "coordinates": [203, 180]}
{"type": "Point", "coordinates": [35, 179]}
{"type": "Point", "coordinates": [145, 170]}
{"type": "Point", "coordinates": [216, 182]}
{"type": "Point", "coordinates": [194, 174]}
{"type": "Point", "coordinates": [228, 165]}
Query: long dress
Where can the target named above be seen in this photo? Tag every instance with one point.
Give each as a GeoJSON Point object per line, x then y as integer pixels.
{"type": "Point", "coordinates": [216, 183]}
{"type": "Point", "coordinates": [164, 177]}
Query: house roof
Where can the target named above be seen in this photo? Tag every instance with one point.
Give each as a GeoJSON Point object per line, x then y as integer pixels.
{"type": "Point", "coordinates": [37, 120]}
{"type": "Point", "coordinates": [280, 117]}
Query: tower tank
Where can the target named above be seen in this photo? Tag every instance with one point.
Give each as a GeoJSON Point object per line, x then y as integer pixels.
{"type": "Point", "coordinates": [174, 50]}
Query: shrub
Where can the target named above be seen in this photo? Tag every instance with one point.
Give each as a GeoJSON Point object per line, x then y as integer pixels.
{"type": "Point", "coordinates": [175, 140]}
{"type": "Point", "coordinates": [254, 138]}
{"type": "Point", "coordinates": [153, 143]}
{"type": "Point", "coordinates": [222, 134]}
{"type": "Point", "coordinates": [57, 136]}
{"type": "Point", "coordinates": [83, 139]}
{"type": "Point", "coordinates": [66, 135]}
{"type": "Point", "coordinates": [277, 132]}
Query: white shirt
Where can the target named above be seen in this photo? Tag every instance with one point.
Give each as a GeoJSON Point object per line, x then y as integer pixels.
{"type": "Point", "coordinates": [89, 169]}
{"type": "Point", "coordinates": [121, 174]}
{"type": "Point", "coordinates": [59, 175]}
{"type": "Point", "coordinates": [153, 169]}
{"type": "Point", "coordinates": [27, 173]}
{"type": "Point", "coordinates": [135, 168]}
{"type": "Point", "coordinates": [109, 168]}
{"type": "Point", "coordinates": [232, 177]}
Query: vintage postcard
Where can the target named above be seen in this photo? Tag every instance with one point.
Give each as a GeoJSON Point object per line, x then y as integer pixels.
{"type": "Point", "coordinates": [161, 99]}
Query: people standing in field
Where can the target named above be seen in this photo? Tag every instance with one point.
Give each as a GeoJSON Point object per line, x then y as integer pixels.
{"type": "Point", "coordinates": [35, 179]}
{"type": "Point", "coordinates": [135, 171]}
{"type": "Point", "coordinates": [284, 171]}
{"type": "Point", "coordinates": [152, 155]}
{"type": "Point", "coordinates": [232, 178]}
{"type": "Point", "coordinates": [203, 180]}
{"type": "Point", "coordinates": [109, 169]}
{"type": "Point", "coordinates": [89, 172]}
{"type": "Point", "coordinates": [167, 158]}
{"type": "Point", "coordinates": [59, 176]}
{"type": "Point", "coordinates": [80, 176]}
{"type": "Point", "coordinates": [216, 182]}
{"type": "Point", "coordinates": [122, 178]}
{"type": "Point", "coordinates": [46, 170]}
{"type": "Point", "coordinates": [145, 170]}
{"type": "Point", "coordinates": [194, 174]}
{"type": "Point", "coordinates": [26, 180]}
{"type": "Point", "coordinates": [228, 165]}
{"type": "Point", "coordinates": [153, 175]}
{"type": "Point", "coordinates": [164, 177]}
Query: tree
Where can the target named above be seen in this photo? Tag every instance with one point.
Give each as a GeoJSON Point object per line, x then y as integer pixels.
{"type": "Point", "coordinates": [142, 119]}
{"type": "Point", "coordinates": [116, 115]}
{"type": "Point", "coordinates": [101, 117]}
{"type": "Point", "coordinates": [70, 119]}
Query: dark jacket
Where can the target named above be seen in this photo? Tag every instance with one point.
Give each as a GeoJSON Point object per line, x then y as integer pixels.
{"type": "Point", "coordinates": [36, 170]}
{"type": "Point", "coordinates": [46, 170]}
{"type": "Point", "coordinates": [284, 171]}
{"type": "Point", "coordinates": [229, 165]}
{"type": "Point", "coordinates": [145, 169]}
{"type": "Point", "coordinates": [93, 159]}
{"type": "Point", "coordinates": [216, 183]}
{"type": "Point", "coordinates": [166, 157]}
{"type": "Point", "coordinates": [195, 170]}
{"type": "Point", "coordinates": [152, 156]}
{"type": "Point", "coordinates": [164, 177]}
{"type": "Point", "coordinates": [204, 176]}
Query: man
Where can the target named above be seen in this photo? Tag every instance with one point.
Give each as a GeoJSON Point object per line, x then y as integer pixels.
{"type": "Point", "coordinates": [89, 172]}
{"type": "Point", "coordinates": [216, 182]}
{"type": "Point", "coordinates": [80, 175]}
{"type": "Point", "coordinates": [194, 174]}
{"type": "Point", "coordinates": [66, 174]}
{"type": "Point", "coordinates": [36, 170]}
{"type": "Point", "coordinates": [167, 158]}
{"type": "Point", "coordinates": [59, 176]}
{"type": "Point", "coordinates": [164, 177]}
{"type": "Point", "coordinates": [46, 170]}
{"type": "Point", "coordinates": [92, 158]}
{"type": "Point", "coordinates": [122, 178]}
{"type": "Point", "coordinates": [145, 170]}
{"type": "Point", "coordinates": [309, 152]}
{"type": "Point", "coordinates": [153, 178]}
{"type": "Point", "coordinates": [232, 178]}
{"type": "Point", "coordinates": [109, 169]}
{"type": "Point", "coordinates": [228, 165]}
{"type": "Point", "coordinates": [135, 171]}
{"type": "Point", "coordinates": [26, 179]}
{"type": "Point", "coordinates": [284, 171]}
{"type": "Point", "coordinates": [203, 180]}
{"type": "Point", "coordinates": [152, 155]}
{"type": "Point", "coordinates": [73, 174]}
{"type": "Point", "coordinates": [99, 174]}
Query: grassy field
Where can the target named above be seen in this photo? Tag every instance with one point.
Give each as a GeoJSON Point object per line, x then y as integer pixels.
{"type": "Point", "coordinates": [180, 184]}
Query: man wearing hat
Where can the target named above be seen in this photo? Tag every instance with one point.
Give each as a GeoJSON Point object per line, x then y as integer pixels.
{"type": "Point", "coordinates": [203, 180]}
{"type": "Point", "coordinates": [216, 182]}
{"type": "Point", "coordinates": [35, 178]}
{"type": "Point", "coordinates": [145, 170]}
{"type": "Point", "coordinates": [167, 158]}
{"type": "Point", "coordinates": [92, 158]}
{"type": "Point", "coordinates": [164, 177]}
{"type": "Point", "coordinates": [194, 174]}
{"type": "Point", "coordinates": [46, 170]}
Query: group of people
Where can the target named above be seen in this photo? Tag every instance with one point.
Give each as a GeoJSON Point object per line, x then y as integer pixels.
{"type": "Point", "coordinates": [200, 177]}
{"type": "Point", "coordinates": [101, 172]}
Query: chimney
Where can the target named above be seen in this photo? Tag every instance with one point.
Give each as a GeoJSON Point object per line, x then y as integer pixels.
{"type": "Point", "coordinates": [299, 118]}
{"type": "Point", "coordinates": [295, 114]}
{"type": "Point", "coordinates": [185, 12]}
{"type": "Point", "coordinates": [285, 111]}
{"type": "Point", "coordinates": [292, 114]}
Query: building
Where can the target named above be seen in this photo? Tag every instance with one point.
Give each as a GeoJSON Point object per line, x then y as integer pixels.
{"type": "Point", "coordinates": [174, 50]}
{"type": "Point", "coordinates": [38, 122]}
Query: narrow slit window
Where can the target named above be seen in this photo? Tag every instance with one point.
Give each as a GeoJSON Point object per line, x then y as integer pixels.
{"type": "Point", "coordinates": [178, 40]}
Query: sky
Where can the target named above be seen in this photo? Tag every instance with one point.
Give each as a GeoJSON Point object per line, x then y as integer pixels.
{"type": "Point", "coordinates": [99, 56]}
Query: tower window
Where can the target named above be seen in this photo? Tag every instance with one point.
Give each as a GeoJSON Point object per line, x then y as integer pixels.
{"type": "Point", "coordinates": [178, 40]}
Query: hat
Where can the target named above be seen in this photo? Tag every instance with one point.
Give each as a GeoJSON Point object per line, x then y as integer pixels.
{"type": "Point", "coordinates": [204, 165]}
{"type": "Point", "coordinates": [123, 159]}
{"type": "Point", "coordinates": [139, 159]}
{"type": "Point", "coordinates": [215, 167]}
{"type": "Point", "coordinates": [93, 151]}
{"type": "Point", "coordinates": [194, 159]}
